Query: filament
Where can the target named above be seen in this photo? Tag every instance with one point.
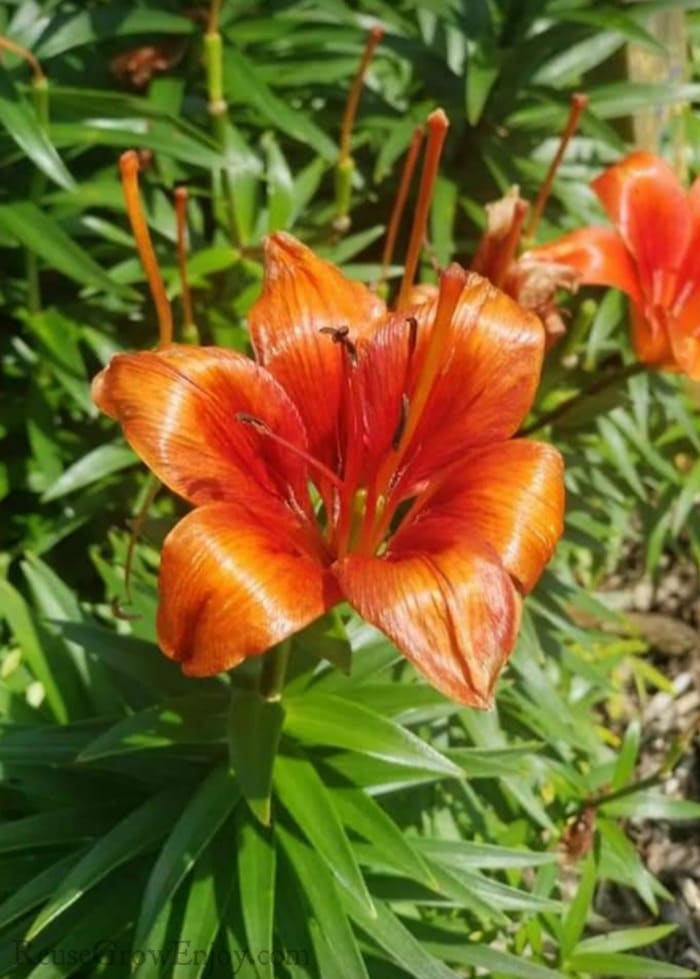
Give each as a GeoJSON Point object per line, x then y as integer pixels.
{"type": "Point", "coordinates": [400, 202]}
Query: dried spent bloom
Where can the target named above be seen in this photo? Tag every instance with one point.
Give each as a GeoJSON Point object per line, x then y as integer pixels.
{"type": "Point", "coordinates": [652, 254]}
{"type": "Point", "coordinates": [364, 455]}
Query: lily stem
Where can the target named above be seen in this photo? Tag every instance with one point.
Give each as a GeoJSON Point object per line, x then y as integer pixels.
{"type": "Point", "coordinates": [607, 381]}
{"type": "Point", "coordinates": [274, 671]}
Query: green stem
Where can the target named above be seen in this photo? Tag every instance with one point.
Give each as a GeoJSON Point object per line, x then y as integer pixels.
{"type": "Point", "coordinates": [274, 671]}
{"type": "Point", "coordinates": [40, 98]}
{"type": "Point", "coordinates": [608, 380]}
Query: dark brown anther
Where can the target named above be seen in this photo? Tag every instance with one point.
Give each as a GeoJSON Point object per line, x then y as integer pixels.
{"type": "Point", "coordinates": [246, 419]}
{"type": "Point", "coordinates": [338, 334]}
{"type": "Point", "coordinates": [341, 335]}
{"type": "Point", "coordinates": [412, 324]}
{"type": "Point", "coordinates": [403, 415]}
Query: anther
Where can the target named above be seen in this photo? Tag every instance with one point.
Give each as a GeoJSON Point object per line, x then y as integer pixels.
{"type": "Point", "coordinates": [341, 335]}
{"type": "Point", "coordinates": [247, 419]}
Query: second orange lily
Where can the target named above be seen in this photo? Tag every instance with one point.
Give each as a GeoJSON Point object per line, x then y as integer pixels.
{"type": "Point", "coordinates": [652, 254]}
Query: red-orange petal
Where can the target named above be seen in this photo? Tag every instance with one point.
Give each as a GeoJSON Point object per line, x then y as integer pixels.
{"type": "Point", "coordinates": [644, 198]}
{"type": "Point", "coordinates": [444, 600]}
{"type": "Point", "coordinates": [232, 586]}
{"type": "Point", "coordinates": [481, 393]}
{"type": "Point", "coordinates": [599, 255]}
{"type": "Point", "coordinates": [650, 337]}
{"type": "Point", "coordinates": [303, 294]}
{"type": "Point", "coordinates": [486, 384]}
{"type": "Point", "coordinates": [511, 494]}
{"type": "Point", "coordinates": [178, 406]}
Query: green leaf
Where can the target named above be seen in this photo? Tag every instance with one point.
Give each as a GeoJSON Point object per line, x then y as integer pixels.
{"type": "Point", "coordinates": [303, 794]}
{"type": "Point", "coordinates": [70, 825]}
{"type": "Point", "coordinates": [611, 964]}
{"type": "Point", "coordinates": [465, 855]}
{"type": "Point", "coordinates": [254, 729]}
{"type": "Point", "coordinates": [101, 462]}
{"type": "Point", "coordinates": [207, 902]}
{"type": "Point", "coordinates": [193, 719]}
{"type": "Point", "coordinates": [575, 920]}
{"type": "Point", "coordinates": [391, 935]}
{"type": "Point", "coordinates": [243, 85]}
{"type": "Point", "coordinates": [19, 119]}
{"type": "Point", "coordinates": [19, 619]}
{"type": "Point", "coordinates": [477, 956]}
{"type": "Point", "coordinates": [319, 889]}
{"type": "Point", "coordinates": [66, 33]}
{"type": "Point", "coordinates": [652, 805]}
{"type": "Point", "coordinates": [41, 234]}
{"type": "Point", "coordinates": [257, 860]}
{"type": "Point", "coordinates": [197, 824]}
{"type": "Point", "coordinates": [280, 186]}
{"type": "Point", "coordinates": [138, 832]}
{"type": "Point", "coordinates": [35, 891]}
{"type": "Point", "coordinates": [624, 939]}
{"type": "Point", "coordinates": [627, 758]}
{"type": "Point", "coordinates": [327, 719]}
{"type": "Point", "coordinates": [367, 818]}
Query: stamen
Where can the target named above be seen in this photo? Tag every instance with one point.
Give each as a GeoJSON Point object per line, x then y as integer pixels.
{"type": "Point", "coordinates": [378, 514]}
{"type": "Point", "coordinates": [438, 125]}
{"type": "Point", "coordinates": [399, 204]}
{"type": "Point", "coordinates": [129, 167]}
{"type": "Point", "coordinates": [135, 532]}
{"type": "Point", "coordinates": [189, 325]}
{"type": "Point", "coordinates": [412, 323]}
{"type": "Point", "coordinates": [373, 38]}
{"type": "Point", "coordinates": [579, 101]}
{"type": "Point", "coordinates": [340, 334]}
{"type": "Point", "coordinates": [452, 282]}
{"type": "Point", "coordinates": [264, 429]}
{"type": "Point", "coordinates": [403, 415]}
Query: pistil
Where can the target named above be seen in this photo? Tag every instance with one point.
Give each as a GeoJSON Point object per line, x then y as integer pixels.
{"type": "Point", "coordinates": [129, 168]}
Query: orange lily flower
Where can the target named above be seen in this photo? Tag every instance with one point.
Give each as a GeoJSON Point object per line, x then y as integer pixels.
{"type": "Point", "coordinates": [652, 254]}
{"type": "Point", "coordinates": [364, 455]}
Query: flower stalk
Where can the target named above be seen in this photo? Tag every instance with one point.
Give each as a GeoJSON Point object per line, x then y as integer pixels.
{"type": "Point", "coordinates": [345, 167]}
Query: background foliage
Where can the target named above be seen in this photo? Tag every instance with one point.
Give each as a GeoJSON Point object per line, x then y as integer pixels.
{"type": "Point", "coordinates": [408, 837]}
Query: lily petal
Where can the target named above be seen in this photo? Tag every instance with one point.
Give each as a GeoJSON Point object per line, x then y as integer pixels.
{"type": "Point", "coordinates": [303, 294]}
{"type": "Point", "coordinates": [231, 587]}
{"type": "Point", "coordinates": [487, 382]}
{"type": "Point", "coordinates": [481, 393]}
{"type": "Point", "coordinates": [511, 495]}
{"type": "Point", "coordinates": [178, 406]}
{"type": "Point", "coordinates": [599, 255]}
{"type": "Point", "coordinates": [650, 336]}
{"type": "Point", "coordinates": [444, 600]}
{"type": "Point", "coordinates": [644, 198]}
